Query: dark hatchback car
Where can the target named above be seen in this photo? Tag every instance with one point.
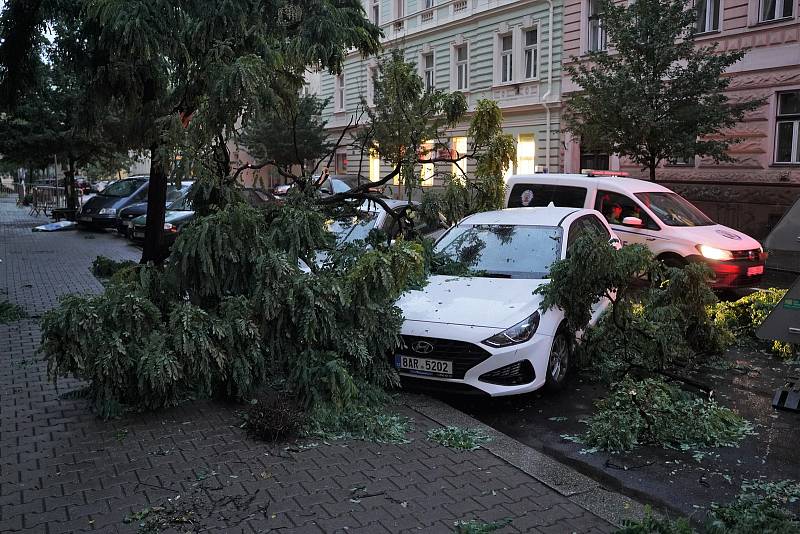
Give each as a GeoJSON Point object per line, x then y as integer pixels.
{"type": "Point", "coordinates": [126, 215]}
{"type": "Point", "coordinates": [178, 214]}
{"type": "Point", "coordinates": [101, 210]}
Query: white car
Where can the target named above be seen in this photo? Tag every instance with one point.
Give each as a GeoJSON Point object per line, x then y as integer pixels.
{"type": "Point", "coordinates": [484, 333]}
{"type": "Point", "coordinates": [652, 215]}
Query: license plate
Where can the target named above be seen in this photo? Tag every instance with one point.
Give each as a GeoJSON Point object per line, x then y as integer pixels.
{"type": "Point", "coordinates": [423, 366]}
{"type": "Point", "coordinates": [86, 219]}
{"type": "Point", "coordinates": [752, 271]}
{"type": "Point", "coordinates": [138, 234]}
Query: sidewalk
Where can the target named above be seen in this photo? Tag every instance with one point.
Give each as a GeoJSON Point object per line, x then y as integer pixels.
{"type": "Point", "coordinates": [63, 470]}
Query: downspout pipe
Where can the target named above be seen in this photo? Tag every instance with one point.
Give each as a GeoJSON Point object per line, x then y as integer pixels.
{"type": "Point", "coordinates": [546, 96]}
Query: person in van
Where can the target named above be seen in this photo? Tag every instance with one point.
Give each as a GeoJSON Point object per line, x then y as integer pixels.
{"type": "Point", "coordinates": [615, 217]}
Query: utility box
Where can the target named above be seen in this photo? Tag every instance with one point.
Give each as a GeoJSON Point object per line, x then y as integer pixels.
{"type": "Point", "coordinates": [783, 322]}
{"type": "Point", "coordinates": [783, 242]}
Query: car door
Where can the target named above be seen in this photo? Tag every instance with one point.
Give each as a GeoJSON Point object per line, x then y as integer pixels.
{"type": "Point", "coordinates": [615, 207]}
{"type": "Point", "coordinates": [583, 225]}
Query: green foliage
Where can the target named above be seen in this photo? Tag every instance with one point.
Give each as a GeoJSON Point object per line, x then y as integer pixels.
{"type": "Point", "coordinates": [361, 422]}
{"type": "Point", "coordinates": [759, 507]}
{"type": "Point", "coordinates": [10, 312]}
{"type": "Point", "coordinates": [652, 412]}
{"type": "Point", "coordinates": [103, 267]}
{"type": "Point", "coordinates": [232, 310]}
{"type": "Point", "coordinates": [647, 328]}
{"type": "Point", "coordinates": [474, 526]}
{"type": "Point", "coordinates": [659, 95]}
{"type": "Point", "coordinates": [462, 439]}
{"type": "Point", "coordinates": [743, 317]}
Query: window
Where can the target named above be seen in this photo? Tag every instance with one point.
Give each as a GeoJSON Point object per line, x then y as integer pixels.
{"type": "Point", "coordinates": [339, 92]}
{"type": "Point", "coordinates": [707, 15]}
{"type": "Point", "coordinates": [462, 68]}
{"type": "Point", "coordinates": [597, 30]}
{"type": "Point", "coordinates": [681, 161]}
{"type": "Point", "coordinates": [776, 9]}
{"type": "Point", "coordinates": [459, 149]}
{"type": "Point", "coordinates": [506, 58]}
{"type": "Point", "coordinates": [399, 9]}
{"type": "Point", "coordinates": [429, 72]}
{"type": "Point", "coordinates": [674, 210]}
{"type": "Point", "coordinates": [526, 154]}
{"type": "Point", "coordinates": [428, 170]}
{"type": "Point", "coordinates": [787, 136]}
{"type": "Point", "coordinates": [615, 207]}
{"type": "Point", "coordinates": [591, 160]}
{"type": "Point", "coordinates": [374, 166]}
{"type": "Point", "coordinates": [375, 12]}
{"type": "Point", "coordinates": [341, 163]}
{"type": "Point", "coordinates": [530, 54]}
{"type": "Point", "coordinates": [428, 4]}
{"type": "Point", "coordinates": [588, 224]}
{"type": "Point", "coordinates": [541, 195]}
{"type": "Point", "coordinates": [372, 75]}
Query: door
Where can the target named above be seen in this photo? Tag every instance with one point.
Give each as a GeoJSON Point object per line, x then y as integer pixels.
{"type": "Point", "coordinates": [591, 225]}
{"type": "Point", "coordinates": [615, 207]}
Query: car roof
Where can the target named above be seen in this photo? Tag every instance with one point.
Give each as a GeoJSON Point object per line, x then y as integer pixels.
{"type": "Point", "coordinates": [540, 216]}
{"type": "Point", "coordinates": [632, 185]}
{"type": "Point", "coordinates": [393, 203]}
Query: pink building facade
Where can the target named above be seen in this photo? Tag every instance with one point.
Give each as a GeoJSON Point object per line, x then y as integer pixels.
{"type": "Point", "coordinates": [752, 193]}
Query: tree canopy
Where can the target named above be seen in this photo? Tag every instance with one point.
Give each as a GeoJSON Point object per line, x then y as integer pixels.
{"type": "Point", "coordinates": [656, 94]}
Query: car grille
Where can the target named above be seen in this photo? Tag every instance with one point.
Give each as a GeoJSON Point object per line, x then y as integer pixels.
{"type": "Point", "coordinates": [511, 375]}
{"type": "Point", "coordinates": [464, 355]}
{"type": "Point", "coordinates": [751, 255]}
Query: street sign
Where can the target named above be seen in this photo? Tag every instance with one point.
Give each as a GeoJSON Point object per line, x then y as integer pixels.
{"type": "Point", "coordinates": [783, 322]}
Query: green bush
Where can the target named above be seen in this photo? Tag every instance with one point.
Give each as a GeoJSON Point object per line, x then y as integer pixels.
{"type": "Point", "coordinates": [10, 312]}
{"type": "Point", "coordinates": [652, 412]}
{"type": "Point", "coordinates": [103, 267]}
{"type": "Point", "coordinates": [231, 310]}
{"type": "Point", "coordinates": [743, 317]}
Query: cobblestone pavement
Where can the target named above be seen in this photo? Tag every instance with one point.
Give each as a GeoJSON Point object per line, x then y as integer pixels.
{"type": "Point", "coordinates": [63, 470]}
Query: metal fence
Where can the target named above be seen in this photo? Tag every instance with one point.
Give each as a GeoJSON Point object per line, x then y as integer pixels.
{"type": "Point", "coordinates": [42, 199]}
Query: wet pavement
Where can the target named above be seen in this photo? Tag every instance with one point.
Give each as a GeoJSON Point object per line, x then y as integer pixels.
{"type": "Point", "coordinates": [673, 480]}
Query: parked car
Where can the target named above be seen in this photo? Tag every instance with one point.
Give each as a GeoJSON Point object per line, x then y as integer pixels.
{"type": "Point", "coordinates": [126, 215]}
{"type": "Point", "coordinates": [484, 333]}
{"type": "Point", "coordinates": [178, 215]}
{"type": "Point", "coordinates": [652, 215]}
{"type": "Point", "coordinates": [101, 210]}
{"type": "Point", "coordinates": [371, 216]}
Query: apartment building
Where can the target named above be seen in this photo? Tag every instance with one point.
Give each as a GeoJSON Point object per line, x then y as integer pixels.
{"type": "Point", "coordinates": [752, 193]}
{"type": "Point", "coordinates": [506, 50]}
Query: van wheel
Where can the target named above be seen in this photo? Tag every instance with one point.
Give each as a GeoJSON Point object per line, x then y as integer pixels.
{"type": "Point", "coordinates": [559, 361]}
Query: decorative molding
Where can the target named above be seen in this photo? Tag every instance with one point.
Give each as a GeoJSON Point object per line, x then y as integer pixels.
{"type": "Point", "coordinates": [769, 79]}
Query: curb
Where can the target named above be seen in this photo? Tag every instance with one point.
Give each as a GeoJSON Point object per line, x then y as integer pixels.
{"type": "Point", "coordinates": [578, 488]}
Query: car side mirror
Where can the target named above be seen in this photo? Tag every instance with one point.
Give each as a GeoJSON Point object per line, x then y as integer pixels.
{"type": "Point", "coordinates": [632, 221]}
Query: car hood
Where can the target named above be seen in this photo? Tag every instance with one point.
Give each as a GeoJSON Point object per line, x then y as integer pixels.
{"type": "Point", "coordinates": [134, 209]}
{"type": "Point", "coordinates": [98, 202]}
{"type": "Point", "coordinates": [172, 217]}
{"type": "Point", "coordinates": [719, 236]}
{"type": "Point", "coordinates": [472, 301]}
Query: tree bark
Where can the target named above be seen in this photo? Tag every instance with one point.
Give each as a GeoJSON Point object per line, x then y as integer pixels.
{"type": "Point", "coordinates": [156, 208]}
{"type": "Point", "coordinates": [652, 170]}
{"type": "Point", "coordinates": [69, 184]}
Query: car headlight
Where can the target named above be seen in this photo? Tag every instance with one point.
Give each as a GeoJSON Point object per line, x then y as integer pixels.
{"type": "Point", "coordinates": [713, 253]}
{"type": "Point", "coordinates": [108, 211]}
{"type": "Point", "coordinates": [519, 333]}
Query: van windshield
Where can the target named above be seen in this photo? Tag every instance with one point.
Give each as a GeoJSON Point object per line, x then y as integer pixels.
{"type": "Point", "coordinates": [674, 210]}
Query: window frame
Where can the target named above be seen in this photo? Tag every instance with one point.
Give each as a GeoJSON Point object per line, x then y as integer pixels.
{"type": "Point", "coordinates": [429, 82]}
{"type": "Point", "coordinates": [709, 18]}
{"type": "Point", "coordinates": [591, 19]}
{"type": "Point", "coordinates": [534, 48]}
{"type": "Point", "coordinates": [505, 55]}
{"type": "Point", "coordinates": [372, 73]}
{"type": "Point", "coordinates": [787, 118]}
{"type": "Point", "coordinates": [649, 222]}
{"type": "Point", "coordinates": [375, 12]}
{"type": "Point", "coordinates": [779, 4]}
{"type": "Point", "coordinates": [458, 64]}
{"type": "Point", "coordinates": [340, 92]}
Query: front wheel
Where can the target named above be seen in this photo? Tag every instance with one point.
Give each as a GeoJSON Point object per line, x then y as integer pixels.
{"type": "Point", "coordinates": [559, 361]}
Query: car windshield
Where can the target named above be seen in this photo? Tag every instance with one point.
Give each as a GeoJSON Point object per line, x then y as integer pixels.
{"type": "Point", "coordinates": [674, 210]}
{"type": "Point", "coordinates": [503, 251]}
{"type": "Point", "coordinates": [182, 202]}
{"type": "Point", "coordinates": [123, 188]}
{"type": "Point", "coordinates": [343, 185]}
{"type": "Point", "coordinates": [349, 229]}
{"type": "Point", "coordinates": [174, 193]}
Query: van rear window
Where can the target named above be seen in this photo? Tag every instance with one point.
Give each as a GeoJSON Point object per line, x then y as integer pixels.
{"type": "Point", "coordinates": [540, 195]}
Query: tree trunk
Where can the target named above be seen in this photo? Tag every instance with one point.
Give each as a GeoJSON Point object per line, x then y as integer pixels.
{"type": "Point", "coordinates": [156, 207]}
{"type": "Point", "coordinates": [653, 165]}
{"type": "Point", "coordinates": [69, 185]}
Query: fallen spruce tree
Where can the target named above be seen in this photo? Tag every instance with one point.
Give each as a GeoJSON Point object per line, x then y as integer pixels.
{"type": "Point", "coordinates": [232, 311]}
{"type": "Point", "coordinates": [658, 325]}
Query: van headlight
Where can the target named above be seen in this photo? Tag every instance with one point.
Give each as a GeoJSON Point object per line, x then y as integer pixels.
{"type": "Point", "coordinates": [108, 211]}
{"type": "Point", "coordinates": [519, 333]}
{"type": "Point", "coordinates": [713, 253]}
